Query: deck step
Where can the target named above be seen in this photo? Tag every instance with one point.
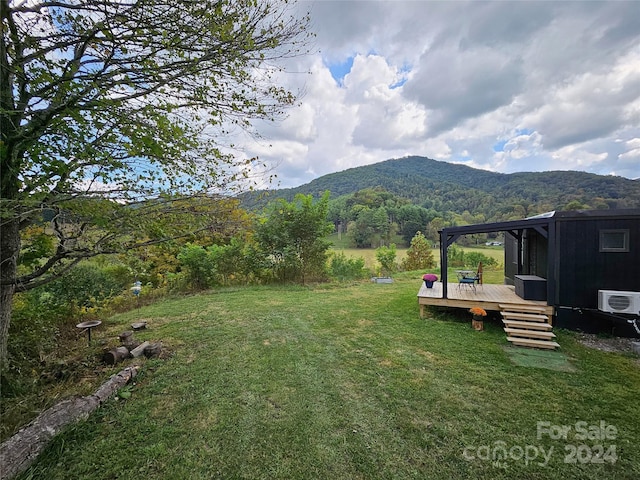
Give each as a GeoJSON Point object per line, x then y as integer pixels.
{"type": "Point", "coordinates": [530, 325]}
{"type": "Point", "coordinates": [512, 307]}
{"type": "Point", "coordinates": [528, 342]}
{"type": "Point", "coordinates": [532, 317]}
{"type": "Point", "coordinates": [517, 332]}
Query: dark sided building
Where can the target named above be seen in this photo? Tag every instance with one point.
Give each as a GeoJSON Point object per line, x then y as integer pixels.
{"type": "Point", "coordinates": [586, 264]}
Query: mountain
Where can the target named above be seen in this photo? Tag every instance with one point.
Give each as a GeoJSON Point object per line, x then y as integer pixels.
{"type": "Point", "coordinates": [448, 187]}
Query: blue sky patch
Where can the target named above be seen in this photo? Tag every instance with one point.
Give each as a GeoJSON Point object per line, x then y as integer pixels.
{"type": "Point", "coordinates": [399, 83]}
{"type": "Point", "coordinates": [340, 70]}
{"type": "Point", "coordinates": [404, 71]}
{"type": "Point", "coordinates": [499, 146]}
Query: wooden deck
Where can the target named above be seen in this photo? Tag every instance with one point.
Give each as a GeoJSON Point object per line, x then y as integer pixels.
{"type": "Point", "coordinates": [486, 296]}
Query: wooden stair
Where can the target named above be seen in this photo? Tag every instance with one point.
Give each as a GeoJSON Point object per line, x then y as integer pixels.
{"type": "Point", "coordinates": [528, 326]}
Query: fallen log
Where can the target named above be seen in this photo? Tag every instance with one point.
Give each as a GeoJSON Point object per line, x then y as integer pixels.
{"type": "Point", "coordinates": [139, 350]}
{"type": "Point", "coordinates": [153, 350]}
{"type": "Point", "coordinates": [115, 355]}
{"type": "Point", "coordinates": [126, 337]}
{"type": "Point", "coordinates": [20, 451]}
{"type": "Point", "coordinates": [127, 340]}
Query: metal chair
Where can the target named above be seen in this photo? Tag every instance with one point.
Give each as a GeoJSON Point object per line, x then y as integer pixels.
{"type": "Point", "coordinates": [471, 281]}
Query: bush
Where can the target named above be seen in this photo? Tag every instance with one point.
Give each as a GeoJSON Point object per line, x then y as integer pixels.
{"type": "Point", "coordinates": [199, 264]}
{"type": "Point", "coordinates": [455, 256]}
{"type": "Point", "coordinates": [34, 326]}
{"type": "Point", "coordinates": [39, 315]}
{"type": "Point", "coordinates": [86, 285]}
{"type": "Point", "coordinates": [345, 268]}
{"type": "Point", "coordinates": [473, 259]}
{"type": "Point", "coordinates": [386, 256]}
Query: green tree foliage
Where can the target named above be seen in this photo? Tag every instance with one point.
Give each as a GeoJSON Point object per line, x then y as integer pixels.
{"type": "Point", "coordinates": [225, 264]}
{"type": "Point", "coordinates": [382, 226]}
{"type": "Point", "coordinates": [344, 268]}
{"type": "Point", "coordinates": [386, 256]}
{"type": "Point", "coordinates": [419, 256]}
{"type": "Point", "coordinates": [41, 313]}
{"type": "Point", "coordinates": [473, 259]}
{"type": "Point", "coordinates": [413, 219]}
{"type": "Point", "coordinates": [455, 256]}
{"type": "Point", "coordinates": [229, 260]}
{"type": "Point", "coordinates": [84, 286]}
{"type": "Point", "coordinates": [576, 205]}
{"type": "Point", "coordinates": [36, 245]}
{"type": "Point", "coordinates": [338, 213]}
{"type": "Point", "coordinates": [451, 189]}
{"type": "Point", "coordinates": [105, 103]}
{"type": "Point", "coordinates": [371, 226]}
{"type": "Point", "coordinates": [199, 264]}
{"type": "Point", "coordinates": [292, 236]}
{"type": "Point", "coordinates": [361, 231]}
{"type": "Point", "coordinates": [433, 229]}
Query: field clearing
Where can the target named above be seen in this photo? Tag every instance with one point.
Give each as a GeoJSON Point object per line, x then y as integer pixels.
{"type": "Point", "coordinates": [369, 254]}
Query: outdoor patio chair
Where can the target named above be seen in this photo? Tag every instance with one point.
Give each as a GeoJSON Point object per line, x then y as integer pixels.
{"type": "Point", "coordinates": [464, 279]}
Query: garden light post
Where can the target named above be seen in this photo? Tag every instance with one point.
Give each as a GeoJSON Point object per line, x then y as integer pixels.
{"type": "Point", "coordinates": [137, 287]}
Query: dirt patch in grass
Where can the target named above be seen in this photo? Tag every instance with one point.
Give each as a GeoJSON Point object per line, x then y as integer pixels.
{"type": "Point", "coordinates": [607, 344]}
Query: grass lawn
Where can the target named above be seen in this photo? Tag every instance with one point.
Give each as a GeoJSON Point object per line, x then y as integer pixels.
{"type": "Point", "coordinates": [346, 382]}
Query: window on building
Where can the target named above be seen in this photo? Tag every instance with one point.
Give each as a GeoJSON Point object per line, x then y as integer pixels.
{"type": "Point", "coordinates": [614, 240]}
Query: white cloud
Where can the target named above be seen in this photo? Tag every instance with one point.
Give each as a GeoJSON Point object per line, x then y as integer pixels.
{"type": "Point", "coordinates": [505, 86]}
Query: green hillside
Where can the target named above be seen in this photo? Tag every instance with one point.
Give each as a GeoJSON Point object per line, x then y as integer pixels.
{"type": "Point", "coordinates": [447, 187]}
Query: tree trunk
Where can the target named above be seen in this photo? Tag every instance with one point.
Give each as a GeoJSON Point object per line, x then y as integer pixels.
{"type": "Point", "coordinates": [9, 250]}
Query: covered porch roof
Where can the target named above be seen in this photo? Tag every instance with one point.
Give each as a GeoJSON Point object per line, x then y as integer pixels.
{"type": "Point", "coordinates": [543, 224]}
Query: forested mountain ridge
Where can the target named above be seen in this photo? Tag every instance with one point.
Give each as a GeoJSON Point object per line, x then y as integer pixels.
{"type": "Point", "coordinates": [455, 188]}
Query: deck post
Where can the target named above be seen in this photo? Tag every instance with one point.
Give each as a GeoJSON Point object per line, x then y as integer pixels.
{"type": "Point", "coordinates": [444, 245]}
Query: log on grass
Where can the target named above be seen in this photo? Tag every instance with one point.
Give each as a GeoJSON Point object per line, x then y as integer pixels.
{"type": "Point", "coordinates": [153, 350]}
{"type": "Point", "coordinates": [19, 451]}
{"type": "Point", "coordinates": [115, 355]}
{"type": "Point", "coordinates": [126, 337]}
{"type": "Point", "coordinates": [139, 350]}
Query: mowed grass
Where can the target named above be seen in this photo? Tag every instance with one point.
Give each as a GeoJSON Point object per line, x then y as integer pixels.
{"type": "Point", "coordinates": [344, 382]}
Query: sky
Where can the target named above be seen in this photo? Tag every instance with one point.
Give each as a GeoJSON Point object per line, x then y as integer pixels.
{"type": "Point", "coordinates": [501, 86]}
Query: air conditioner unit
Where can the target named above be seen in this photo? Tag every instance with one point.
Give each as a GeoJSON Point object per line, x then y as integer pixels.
{"type": "Point", "coordinates": [615, 301]}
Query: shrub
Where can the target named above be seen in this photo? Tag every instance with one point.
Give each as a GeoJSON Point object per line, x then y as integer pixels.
{"type": "Point", "coordinates": [419, 256]}
{"type": "Point", "coordinates": [472, 259]}
{"type": "Point", "coordinates": [386, 256]}
{"type": "Point", "coordinates": [39, 315]}
{"type": "Point", "coordinates": [199, 265]}
{"type": "Point", "coordinates": [455, 256]}
{"type": "Point", "coordinates": [345, 268]}
{"type": "Point", "coordinates": [86, 286]}
{"type": "Point", "coordinates": [34, 326]}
